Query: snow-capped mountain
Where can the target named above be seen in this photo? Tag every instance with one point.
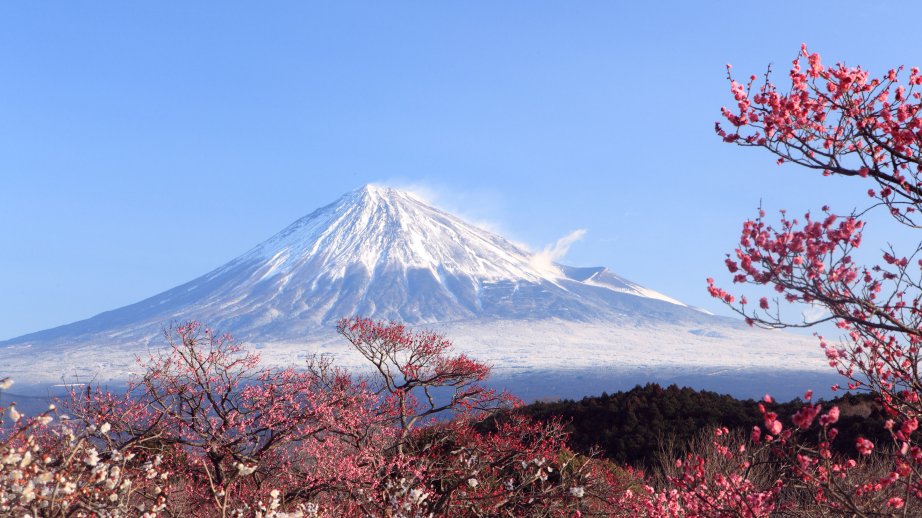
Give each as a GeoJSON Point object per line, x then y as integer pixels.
{"type": "Point", "coordinates": [387, 254]}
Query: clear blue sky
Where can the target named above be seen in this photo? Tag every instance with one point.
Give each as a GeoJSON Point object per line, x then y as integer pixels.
{"type": "Point", "coordinates": [144, 143]}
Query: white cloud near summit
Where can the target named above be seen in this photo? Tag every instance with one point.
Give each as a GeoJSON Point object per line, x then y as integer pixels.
{"type": "Point", "coordinates": [552, 253]}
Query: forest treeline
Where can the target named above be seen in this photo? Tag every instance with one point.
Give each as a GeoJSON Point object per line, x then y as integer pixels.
{"type": "Point", "coordinates": [631, 427]}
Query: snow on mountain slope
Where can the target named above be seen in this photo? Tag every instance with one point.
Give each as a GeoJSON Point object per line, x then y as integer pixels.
{"type": "Point", "coordinates": [386, 254]}
{"type": "Point", "coordinates": [383, 253]}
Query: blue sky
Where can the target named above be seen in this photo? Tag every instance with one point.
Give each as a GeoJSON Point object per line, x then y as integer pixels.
{"type": "Point", "coordinates": [143, 144]}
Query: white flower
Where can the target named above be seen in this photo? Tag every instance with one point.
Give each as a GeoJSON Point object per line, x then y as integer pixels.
{"type": "Point", "coordinates": [100, 472]}
{"type": "Point", "coordinates": [149, 470]}
{"type": "Point", "coordinates": [114, 474]}
{"type": "Point", "coordinates": [417, 496]}
{"type": "Point", "coordinates": [244, 470]}
{"type": "Point", "coordinates": [577, 491]}
{"type": "Point", "coordinates": [472, 482]}
{"type": "Point", "coordinates": [6, 383]}
{"type": "Point", "coordinates": [92, 457]}
{"type": "Point", "coordinates": [104, 428]}
{"type": "Point", "coordinates": [14, 415]}
{"type": "Point", "coordinates": [11, 457]}
{"type": "Point", "coordinates": [26, 459]}
{"type": "Point", "coordinates": [28, 493]}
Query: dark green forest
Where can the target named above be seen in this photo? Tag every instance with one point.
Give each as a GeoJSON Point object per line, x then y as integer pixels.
{"type": "Point", "coordinates": [631, 427]}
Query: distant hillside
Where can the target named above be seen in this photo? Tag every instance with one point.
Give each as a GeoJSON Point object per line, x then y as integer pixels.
{"type": "Point", "coordinates": [630, 426]}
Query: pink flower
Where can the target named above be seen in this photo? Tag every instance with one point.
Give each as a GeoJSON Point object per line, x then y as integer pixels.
{"type": "Point", "coordinates": [909, 426]}
{"type": "Point", "coordinates": [805, 416]}
{"type": "Point", "coordinates": [830, 417]}
{"type": "Point", "coordinates": [774, 427]}
{"type": "Point", "coordinates": [865, 447]}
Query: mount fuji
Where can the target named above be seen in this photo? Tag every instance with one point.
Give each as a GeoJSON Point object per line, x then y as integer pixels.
{"type": "Point", "coordinates": [387, 254]}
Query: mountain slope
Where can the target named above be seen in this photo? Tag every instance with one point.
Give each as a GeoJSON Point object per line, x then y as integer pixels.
{"type": "Point", "coordinates": [386, 254]}
{"type": "Point", "coordinates": [383, 253]}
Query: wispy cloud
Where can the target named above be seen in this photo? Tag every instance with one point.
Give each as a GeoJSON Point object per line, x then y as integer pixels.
{"type": "Point", "coordinates": [545, 259]}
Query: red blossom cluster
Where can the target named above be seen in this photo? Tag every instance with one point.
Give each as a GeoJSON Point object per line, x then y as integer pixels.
{"type": "Point", "coordinates": [841, 121]}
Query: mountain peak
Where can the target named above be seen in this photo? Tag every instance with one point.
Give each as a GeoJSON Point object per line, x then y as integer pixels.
{"type": "Point", "coordinates": [374, 193]}
{"type": "Point", "coordinates": [382, 228]}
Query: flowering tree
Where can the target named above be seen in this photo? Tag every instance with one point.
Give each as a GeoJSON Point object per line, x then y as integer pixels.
{"type": "Point", "coordinates": [229, 432]}
{"type": "Point", "coordinates": [419, 375]}
{"type": "Point", "coordinates": [841, 121]}
{"type": "Point", "coordinates": [207, 431]}
{"type": "Point", "coordinates": [60, 468]}
{"type": "Point", "coordinates": [519, 468]}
